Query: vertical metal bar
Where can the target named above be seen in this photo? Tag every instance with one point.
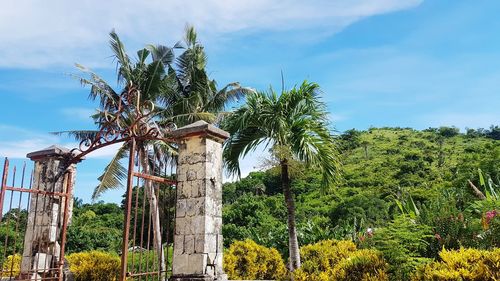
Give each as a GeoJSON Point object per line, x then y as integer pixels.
{"type": "Point", "coordinates": [149, 241]}
{"type": "Point", "coordinates": [67, 200]}
{"type": "Point", "coordinates": [128, 205]}
{"type": "Point", "coordinates": [4, 185]}
{"type": "Point", "coordinates": [16, 232]}
{"type": "Point", "coordinates": [135, 221]}
{"type": "Point", "coordinates": [10, 208]}
{"type": "Point", "coordinates": [142, 229]}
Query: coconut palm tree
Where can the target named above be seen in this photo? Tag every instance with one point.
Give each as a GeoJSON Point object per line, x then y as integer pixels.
{"type": "Point", "coordinates": [295, 126]}
{"type": "Point", "coordinates": [144, 79]}
{"type": "Point", "coordinates": [173, 92]}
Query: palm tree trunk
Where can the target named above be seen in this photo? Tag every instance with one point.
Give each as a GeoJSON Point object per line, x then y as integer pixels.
{"type": "Point", "coordinates": [293, 244]}
{"type": "Point", "coordinates": [155, 216]}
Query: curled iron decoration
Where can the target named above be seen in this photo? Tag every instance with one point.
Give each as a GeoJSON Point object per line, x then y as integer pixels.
{"type": "Point", "coordinates": [123, 118]}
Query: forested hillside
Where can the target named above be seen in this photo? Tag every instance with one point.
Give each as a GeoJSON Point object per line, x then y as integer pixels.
{"type": "Point", "coordinates": [386, 172]}
{"type": "Point", "coordinates": [403, 196]}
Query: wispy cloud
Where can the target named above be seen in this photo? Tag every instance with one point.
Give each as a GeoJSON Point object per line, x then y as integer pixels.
{"type": "Point", "coordinates": [37, 33]}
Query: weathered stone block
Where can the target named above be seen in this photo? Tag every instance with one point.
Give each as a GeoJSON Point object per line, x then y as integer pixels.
{"type": "Point", "coordinates": [180, 264]}
{"type": "Point", "coordinates": [183, 225]}
{"type": "Point", "coordinates": [181, 208]}
{"type": "Point", "coordinates": [189, 244]}
{"type": "Point", "coordinates": [179, 241]}
{"type": "Point", "coordinates": [42, 262]}
{"type": "Point", "coordinates": [205, 243]}
{"type": "Point", "coordinates": [198, 225]}
{"type": "Point", "coordinates": [197, 263]}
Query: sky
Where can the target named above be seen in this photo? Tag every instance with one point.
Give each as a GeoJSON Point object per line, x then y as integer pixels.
{"type": "Point", "coordinates": [407, 63]}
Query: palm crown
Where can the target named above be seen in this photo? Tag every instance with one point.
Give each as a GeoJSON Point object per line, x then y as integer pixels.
{"type": "Point", "coordinates": [293, 123]}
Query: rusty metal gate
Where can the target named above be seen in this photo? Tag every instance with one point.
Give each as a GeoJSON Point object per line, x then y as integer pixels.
{"type": "Point", "coordinates": [149, 205]}
{"type": "Point", "coordinates": [150, 212]}
{"type": "Point", "coordinates": [23, 216]}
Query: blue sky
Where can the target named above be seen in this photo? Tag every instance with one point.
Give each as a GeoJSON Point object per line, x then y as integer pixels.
{"type": "Point", "coordinates": [406, 63]}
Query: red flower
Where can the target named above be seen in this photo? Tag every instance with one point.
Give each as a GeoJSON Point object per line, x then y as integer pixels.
{"type": "Point", "coordinates": [490, 215]}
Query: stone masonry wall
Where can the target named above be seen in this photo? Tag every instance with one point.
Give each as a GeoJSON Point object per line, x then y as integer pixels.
{"type": "Point", "coordinates": [45, 217]}
{"type": "Point", "coordinates": [198, 238]}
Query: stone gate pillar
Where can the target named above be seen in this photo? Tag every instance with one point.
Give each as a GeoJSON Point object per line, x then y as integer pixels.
{"type": "Point", "coordinates": [46, 211]}
{"type": "Point", "coordinates": [198, 223]}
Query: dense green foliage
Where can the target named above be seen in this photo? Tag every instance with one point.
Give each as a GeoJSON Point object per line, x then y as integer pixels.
{"type": "Point", "coordinates": [95, 227]}
{"type": "Point", "coordinates": [405, 192]}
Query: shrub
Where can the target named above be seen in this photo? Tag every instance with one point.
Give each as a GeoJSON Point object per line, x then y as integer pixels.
{"type": "Point", "coordinates": [11, 266]}
{"type": "Point", "coordinates": [248, 260]}
{"type": "Point", "coordinates": [340, 261]}
{"type": "Point", "coordinates": [94, 265]}
{"type": "Point", "coordinates": [463, 264]}
{"type": "Point", "coordinates": [403, 244]}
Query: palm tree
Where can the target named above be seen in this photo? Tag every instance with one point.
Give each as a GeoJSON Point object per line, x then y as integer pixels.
{"type": "Point", "coordinates": [294, 124]}
{"type": "Point", "coordinates": [144, 80]}
{"type": "Point", "coordinates": [173, 91]}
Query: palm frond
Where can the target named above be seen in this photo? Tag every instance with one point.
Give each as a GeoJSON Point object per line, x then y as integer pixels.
{"type": "Point", "coordinates": [123, 61]}
{"type": "Point", "coordinates": [114, 173]}
{"type": "Point", "coordinates": [78, 135]}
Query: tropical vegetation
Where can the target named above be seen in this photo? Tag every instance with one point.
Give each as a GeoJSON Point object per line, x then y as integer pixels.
{"type": "Point", "coordinates": [294, 125]}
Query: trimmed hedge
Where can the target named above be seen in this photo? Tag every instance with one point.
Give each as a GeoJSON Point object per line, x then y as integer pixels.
{"type": "Point", "coordinates": [94, 265]}
{"type": "Point", "coordinates": [464, 264]}
{"type": "Point", "coordinates": [247, 260]}
{"type": "Point", "coordinates": [332, 260]}
{"type": "Point", "coordinates": [11, 267]}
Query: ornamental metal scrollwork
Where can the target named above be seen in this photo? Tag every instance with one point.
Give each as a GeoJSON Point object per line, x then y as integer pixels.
{"type": "Point", "coordinates": [123, 118]}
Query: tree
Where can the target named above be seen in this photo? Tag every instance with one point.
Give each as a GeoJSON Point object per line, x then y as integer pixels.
{"type": "Point", "coordinates": [172, 92]}
{"type": "Point", "coordinates": [295, 125]}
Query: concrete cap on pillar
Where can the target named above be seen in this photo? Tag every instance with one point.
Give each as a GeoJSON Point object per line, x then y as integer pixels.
{"type": "Point", "coordinates": [51, 151]}
{"type": "Point", "coordinates": [200, 128]}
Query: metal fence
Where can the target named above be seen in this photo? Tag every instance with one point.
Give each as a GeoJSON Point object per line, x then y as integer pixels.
{"type": "Point", "coordinates": [21, 215]}
{"type": "Point", "coordinates": [149, 218]}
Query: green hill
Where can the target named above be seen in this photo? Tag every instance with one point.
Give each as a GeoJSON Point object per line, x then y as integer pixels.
{"type": "Point", "coordinates": [382, 168]}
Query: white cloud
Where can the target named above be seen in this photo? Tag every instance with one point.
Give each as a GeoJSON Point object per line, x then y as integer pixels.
{"type": "Point", "coordinates": [38, 33]}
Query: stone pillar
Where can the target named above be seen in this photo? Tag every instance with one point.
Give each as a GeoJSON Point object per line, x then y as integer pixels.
{"type": "Point", "coordinates": [46, 212]}
{"type": "Point", "coordinates": [198, 241]}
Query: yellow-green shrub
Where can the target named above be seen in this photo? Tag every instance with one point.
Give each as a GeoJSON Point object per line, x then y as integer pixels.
{"type": "Point", "coordinates": [11, 267]}
{"type": "Point", "coordinates": [340, 261]}
{"type": "Point", "coordinates": [94, 266]}
{"type": "Point", "coordinates": [248, 260]}
{"type": "Point", "coordinates": [463, 264]}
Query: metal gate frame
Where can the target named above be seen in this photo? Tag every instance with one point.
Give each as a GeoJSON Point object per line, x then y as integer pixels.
{"type": "Point", "coordinates": [113, 130]}
{"type": "Point", "coordinates": [54, 271]}
{"type": "Point", "coordinates": [125, 271]}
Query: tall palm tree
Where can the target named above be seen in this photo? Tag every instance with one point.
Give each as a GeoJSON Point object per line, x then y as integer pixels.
{"type": "Point", "coordinates": [295, 126]}
{"type": "Point", "coordinates": [174, 91]}
{"type": "Point", "coordinates": [144, 79]}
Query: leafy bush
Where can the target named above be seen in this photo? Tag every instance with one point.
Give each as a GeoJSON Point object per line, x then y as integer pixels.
{"type": "Point", "coordinates": [463, 264]}
{"type": "Point", "coordinates": [12, 266]}
{"type": "Point", "coordinates": [340, 260]}
{"type": "Point", "coordinates": [248, 260]}
{"type": "Point", "coordinates": [94, 265]}
{"type": "Point", "coordinates": [148, 260]}
{"type": "Point", "coordinates": [403, 243]}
